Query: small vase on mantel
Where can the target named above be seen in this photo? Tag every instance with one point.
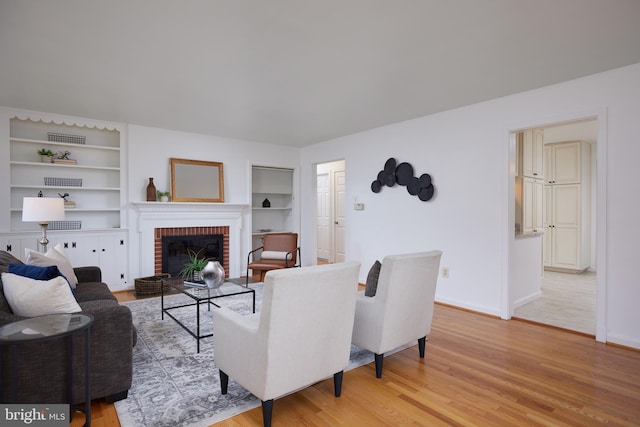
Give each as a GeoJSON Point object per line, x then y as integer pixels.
{"type": "Point", "coordinates": [151, 191]}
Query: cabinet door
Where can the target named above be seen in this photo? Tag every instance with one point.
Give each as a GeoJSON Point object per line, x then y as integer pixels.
{"type": "Point", "coordinates": [566, 163]}
{"type": "Point", "coordinates": [538, 206]}
{"type": "Point", "coordinates": [566, 226]}
{"type": "Point", "coordinates": [532, 153]}
{"type": "Point", "coordinates": [16, 246]}
{"type": "Point", "coordinates": [112, 251]}
{"type": "Point", "coordinates": [547, 225]}
{"type": "Point", "coordinates": [547, 165]}
{"type": "Point", "coordinates": [565, 249]}
{"type": "Point", "coordinates": [566, 206]}
{"type": "Point", "coordinates": [532, 205]}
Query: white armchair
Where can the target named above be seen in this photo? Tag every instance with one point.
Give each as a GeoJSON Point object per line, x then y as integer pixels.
{"type": "Point", "coordinates": [402, 308]}
{"type": "Point", "coordinates": [301, 335]}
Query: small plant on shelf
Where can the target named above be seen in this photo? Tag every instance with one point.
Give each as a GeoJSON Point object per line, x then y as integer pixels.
{"type": "Point", "coordinates": [192, 269]}
{"type": "Point", "coordinates": [46, 155]}
{"type": "Point", "coordinates": [163, 196]}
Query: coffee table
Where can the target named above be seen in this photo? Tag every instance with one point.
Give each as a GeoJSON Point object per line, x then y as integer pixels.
{"type": "Point", "coordinates": [200, 295]}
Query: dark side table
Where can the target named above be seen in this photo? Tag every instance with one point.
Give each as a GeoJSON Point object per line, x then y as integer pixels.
{"type": "Point", "coordinates": [46, 328]}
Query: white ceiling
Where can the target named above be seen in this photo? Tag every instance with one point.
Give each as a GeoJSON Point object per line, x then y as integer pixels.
{"type": "Point", "coordinates": [297, 72]}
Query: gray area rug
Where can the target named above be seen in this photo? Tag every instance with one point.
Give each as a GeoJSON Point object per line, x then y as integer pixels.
{"type": "Point", "coordinates": [175, 386]}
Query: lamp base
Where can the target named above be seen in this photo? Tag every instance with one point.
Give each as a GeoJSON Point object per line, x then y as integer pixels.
{"type": "Point", "coordinates": [44, 241]}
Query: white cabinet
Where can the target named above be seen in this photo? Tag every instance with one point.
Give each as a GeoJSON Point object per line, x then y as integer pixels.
{"type": "Point", "coordinates": [107, 250]}
{"type": "Point", "coordinates": [567, 211]}
{"type": "Point", "coordinates": [272, 201]}
{"type": "Point", "coordinates": [529, 184]}
{"type": "Point", "coordinates": [532, 153]}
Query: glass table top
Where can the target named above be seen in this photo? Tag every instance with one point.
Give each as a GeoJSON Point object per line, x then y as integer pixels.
{"type": "Point", "coordinates": [198, 290]}
{"type": "Point", "coordinates": [40, 327]}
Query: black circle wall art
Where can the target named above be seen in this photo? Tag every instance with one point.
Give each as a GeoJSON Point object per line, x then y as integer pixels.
{"type": "Point", "coordinates": [390, 166]}
{"type": "Point", "coordinates": [413, 187]}
{"type": "Point", "coordinates": [402, 174]}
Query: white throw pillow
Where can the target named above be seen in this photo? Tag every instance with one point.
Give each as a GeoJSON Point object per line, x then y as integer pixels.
{"type": "Point", "coordinates": [29, 297]}
{"type": "Point", "coordinates": [54, 256]}
{"type": "Point", "coordinates": [279, 255]}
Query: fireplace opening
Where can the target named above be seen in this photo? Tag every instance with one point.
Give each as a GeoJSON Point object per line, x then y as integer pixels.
{"type": "Point", "coordinates": [175, 250]}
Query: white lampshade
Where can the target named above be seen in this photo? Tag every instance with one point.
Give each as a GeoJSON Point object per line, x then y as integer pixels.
{"type": "Point", "coordinates": [42, 209]}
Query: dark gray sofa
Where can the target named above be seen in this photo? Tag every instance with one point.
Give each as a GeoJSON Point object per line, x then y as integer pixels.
{"type": "Point", "coordinates": [42, 373]}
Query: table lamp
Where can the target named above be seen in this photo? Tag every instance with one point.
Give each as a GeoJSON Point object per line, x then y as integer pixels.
{"type": "Point", "coordinates": [42, 210]}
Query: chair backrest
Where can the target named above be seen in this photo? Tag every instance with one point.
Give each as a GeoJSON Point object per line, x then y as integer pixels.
{"type": "Point", "coordinates": [306, 321]}
{"type": "Point", "coordinates": [405, 297]}
{"type": "Point", "coordinates": [282, 242]}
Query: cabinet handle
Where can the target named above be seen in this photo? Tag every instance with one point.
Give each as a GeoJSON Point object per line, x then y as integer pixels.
{"type": "Point", "coordinates": [535, 174]}
{"type": "Point", "coordinates": [103, 249]}
{"type": "Point", "coordinates": [93, 250]}
{"type": "Point", "coordinates": [8, 248]}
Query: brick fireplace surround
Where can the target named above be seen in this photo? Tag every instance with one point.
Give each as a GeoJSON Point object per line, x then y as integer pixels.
{"type": "Point", "coordinates": [183, 218]}
{"type": "Point", "coordinates": [189, 231]}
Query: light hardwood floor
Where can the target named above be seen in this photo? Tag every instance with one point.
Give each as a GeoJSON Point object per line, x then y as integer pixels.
{"type": "Point", "coordinates": [568, 301]}
{"type": "Point", "coordinates": [478, 370]}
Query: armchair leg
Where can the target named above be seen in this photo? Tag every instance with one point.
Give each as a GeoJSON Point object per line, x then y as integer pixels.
{"type": "Point", "coordinates": [337, 383]}
{"type": "Point", "coordinates": [421, 343]}
{"type": "Point", "coordinates": [224, 382]}
{"type": "Point", "coordinates": [379, 358]}
{"type": "Point", "coordinates": [267, 410]}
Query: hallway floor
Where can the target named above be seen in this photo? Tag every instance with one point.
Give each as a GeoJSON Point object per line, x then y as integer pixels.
{"type": "Point", "coordinates": [568, 301]}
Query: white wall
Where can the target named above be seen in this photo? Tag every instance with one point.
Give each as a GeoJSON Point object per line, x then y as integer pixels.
{"type": "Point", "coordinates": [466, 151]}
{"type": "Point", "coordinates": [149, 151]}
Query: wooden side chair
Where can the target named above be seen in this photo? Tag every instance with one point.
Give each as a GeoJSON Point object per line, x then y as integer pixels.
{"type": "Point", "coordinates": [278, 250]}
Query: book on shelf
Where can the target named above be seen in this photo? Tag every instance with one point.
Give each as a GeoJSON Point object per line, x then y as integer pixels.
{"type": "Point", "coordinates": [68, 204]}
{"type": "Point", "coordinates": [66, 161]}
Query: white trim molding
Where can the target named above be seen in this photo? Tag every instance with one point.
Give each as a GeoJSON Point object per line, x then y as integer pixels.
{"type": "Point", "coordinates": [152, 215]}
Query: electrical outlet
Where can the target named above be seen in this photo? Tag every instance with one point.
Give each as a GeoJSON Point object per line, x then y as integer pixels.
{"type": "Point", "coordinates": [445, 272]}
{"type": "Point", "coordinates": [358, 206]}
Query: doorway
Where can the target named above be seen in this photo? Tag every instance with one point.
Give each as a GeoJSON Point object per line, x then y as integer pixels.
{"type": "Point", "coordinates": [566, 299]}
{"type": "Point", "coordinates": [330, 211]}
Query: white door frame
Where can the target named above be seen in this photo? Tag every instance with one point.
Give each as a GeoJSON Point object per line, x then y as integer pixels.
{"type": "Point", "coordinates": [508, 238]}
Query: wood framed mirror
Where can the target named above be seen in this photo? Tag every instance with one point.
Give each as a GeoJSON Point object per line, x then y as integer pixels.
{"type": "Point", "coordinates": [196, 181]}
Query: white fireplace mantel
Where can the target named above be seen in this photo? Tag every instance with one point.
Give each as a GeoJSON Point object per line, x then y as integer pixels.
{"type": "Point", "coordinates": [152, 215]}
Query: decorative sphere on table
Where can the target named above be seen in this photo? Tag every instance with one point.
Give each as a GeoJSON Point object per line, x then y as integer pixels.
{"type": "Point", "coordinates": [213, 274]}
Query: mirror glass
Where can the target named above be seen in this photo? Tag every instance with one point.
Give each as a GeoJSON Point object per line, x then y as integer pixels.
{"type": "Point", "coordinates": [196, 181]}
